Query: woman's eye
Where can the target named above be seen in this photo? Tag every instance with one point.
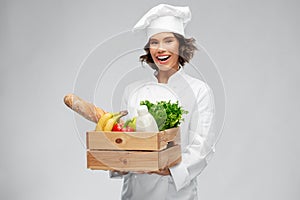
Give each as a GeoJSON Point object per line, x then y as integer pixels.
{"type": "Point", "coordinates": [169, 41]}
{"type": "Point", "coordinates": [153, 42]}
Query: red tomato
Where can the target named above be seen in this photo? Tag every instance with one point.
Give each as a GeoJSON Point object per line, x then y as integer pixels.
{"type": "Point", "coordinates": [117, 127]}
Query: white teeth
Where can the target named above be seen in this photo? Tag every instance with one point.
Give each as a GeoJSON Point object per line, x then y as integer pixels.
{"type": "Point", "coordinates": [162, 57]}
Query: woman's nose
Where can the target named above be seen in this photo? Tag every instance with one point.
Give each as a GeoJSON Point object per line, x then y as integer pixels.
{"type": "Point", "coordinates": [161, 48]}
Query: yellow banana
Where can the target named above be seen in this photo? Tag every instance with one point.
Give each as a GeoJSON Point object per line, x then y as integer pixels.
{"type": "Point", "coordinates": [111, 122]}
{"type": "Point", "coordinates": [107, 121]}
{"type": "Point", "coordinates": [103, 120]}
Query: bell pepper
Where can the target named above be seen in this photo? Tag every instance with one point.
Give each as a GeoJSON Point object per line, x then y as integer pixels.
{"type": "Point", "coordinates": [121, 127]}
{"type": "Point", "coordinates": [118, 127]}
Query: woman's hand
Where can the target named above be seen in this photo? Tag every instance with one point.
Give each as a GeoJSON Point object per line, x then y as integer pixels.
{"type": "Point", "coordinates": [162, 172]}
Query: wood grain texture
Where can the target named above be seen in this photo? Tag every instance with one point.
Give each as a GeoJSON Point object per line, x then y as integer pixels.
{"type": "Point", "coordinates": [98, 140]}
{"type": "Point", "coordinates": [133, 160]}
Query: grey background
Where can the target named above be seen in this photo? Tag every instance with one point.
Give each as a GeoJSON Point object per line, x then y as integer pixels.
{"type": "Point", "coordinates": [254, 43]}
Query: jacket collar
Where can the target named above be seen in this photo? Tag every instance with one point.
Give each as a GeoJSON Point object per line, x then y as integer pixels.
{"type": "Point", "coordinates": [174, 79]}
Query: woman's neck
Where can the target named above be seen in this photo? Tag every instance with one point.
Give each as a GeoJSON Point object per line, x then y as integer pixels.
{"type": "Point", "coordinates": [163, 76]}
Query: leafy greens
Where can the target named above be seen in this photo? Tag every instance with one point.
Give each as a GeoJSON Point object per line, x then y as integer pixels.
{"type": "Point", "coordinates": [166, 114]}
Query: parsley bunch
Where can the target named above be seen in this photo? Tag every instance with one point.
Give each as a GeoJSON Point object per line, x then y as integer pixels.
{"type": "Point", "coordinates": [166, 114]}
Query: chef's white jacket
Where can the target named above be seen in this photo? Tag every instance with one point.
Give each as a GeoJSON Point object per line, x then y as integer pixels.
{"type": "Point", "coordinates": [197, 138]}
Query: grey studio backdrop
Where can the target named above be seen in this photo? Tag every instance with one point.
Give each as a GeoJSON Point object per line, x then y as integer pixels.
{"type": "Point", "coordinates": [43, 44]}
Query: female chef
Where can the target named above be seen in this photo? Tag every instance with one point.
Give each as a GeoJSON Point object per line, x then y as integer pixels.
{"type": "Point", "coordinates": [167, 50]}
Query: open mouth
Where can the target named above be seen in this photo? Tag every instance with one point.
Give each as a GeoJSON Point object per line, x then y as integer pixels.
{"type": "Point", "coordinates": [162, 58]}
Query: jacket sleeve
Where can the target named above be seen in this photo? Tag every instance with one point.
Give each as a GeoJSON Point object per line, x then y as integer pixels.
{"type": "Point", "coordinates": [201, 142]}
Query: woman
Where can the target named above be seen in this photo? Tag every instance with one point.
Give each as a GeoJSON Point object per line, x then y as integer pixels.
{"type": "Point", "coordinates": [167, 51]}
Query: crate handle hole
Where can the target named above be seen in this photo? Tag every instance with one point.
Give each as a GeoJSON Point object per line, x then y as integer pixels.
{"type": "Point", "coordinates": [170, 144]}
{"type": "Point", "coordinates": [118, 140]}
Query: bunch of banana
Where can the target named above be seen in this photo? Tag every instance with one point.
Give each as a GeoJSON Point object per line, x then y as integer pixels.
{"type": "Point", "coordinates": [107, 121]}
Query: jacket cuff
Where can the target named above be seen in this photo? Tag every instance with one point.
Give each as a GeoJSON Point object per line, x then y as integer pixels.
{"type": "Point", "coordinates": [180, 175]}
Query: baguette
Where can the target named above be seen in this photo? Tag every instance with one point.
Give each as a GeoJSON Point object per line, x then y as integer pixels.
{"type": "Point", "coordinates": [85, 109]}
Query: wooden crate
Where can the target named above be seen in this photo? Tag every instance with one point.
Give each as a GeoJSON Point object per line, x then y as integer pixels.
{"type": "Point", "coordinates": [133, 151]}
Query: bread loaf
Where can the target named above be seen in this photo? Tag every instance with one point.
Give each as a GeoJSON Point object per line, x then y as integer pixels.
{"type": "Point", "coordinates": [85, 109]}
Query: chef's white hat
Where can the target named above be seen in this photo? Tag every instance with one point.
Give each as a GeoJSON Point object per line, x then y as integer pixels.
{"type": "Point", "coordinates": [164, 18]}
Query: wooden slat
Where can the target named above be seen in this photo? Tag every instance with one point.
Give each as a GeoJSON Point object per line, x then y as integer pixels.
{"type": "Point", "coordinates": [97, 140]}
{"type": "Point", "coordinates": [121, 141]}
{"type": "Point", "coordinates": [133, 160]}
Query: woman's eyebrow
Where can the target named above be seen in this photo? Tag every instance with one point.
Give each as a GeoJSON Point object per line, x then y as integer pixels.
{"type": "Point", "coordinates": [153, 40]}
{"type": "Point", "coordinates": [166, 38]}
{"type": "Point", "coordinates": [170, 37]}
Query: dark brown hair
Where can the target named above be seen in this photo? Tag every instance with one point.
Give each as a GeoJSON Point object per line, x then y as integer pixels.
{"type": "Point", "coordinates": [187, 48]}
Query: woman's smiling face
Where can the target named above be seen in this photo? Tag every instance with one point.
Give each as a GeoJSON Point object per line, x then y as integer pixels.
{"type": "Point", "coordinates": [164, 49]}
